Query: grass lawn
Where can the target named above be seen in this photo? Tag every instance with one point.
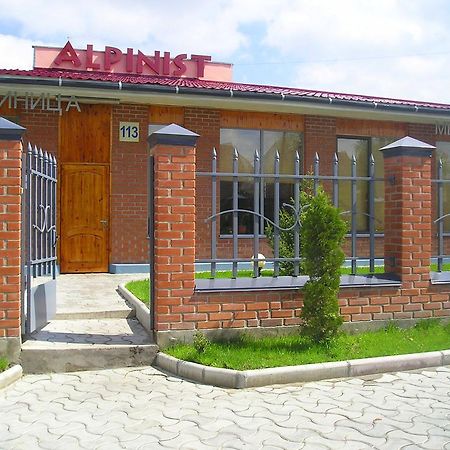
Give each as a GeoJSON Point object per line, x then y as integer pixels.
{"type": "Point", "coordinates": [4, 363]}
{"type": "Point", "coordinates": [140, 289]}
{"type": "Point", "coordinates": [250, 353]}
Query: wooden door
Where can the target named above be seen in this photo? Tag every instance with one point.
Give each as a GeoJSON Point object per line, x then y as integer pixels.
{"type": "Point", "coordinates": [84, 218]}
{"type": "Point", "coordinates": [84, 154]}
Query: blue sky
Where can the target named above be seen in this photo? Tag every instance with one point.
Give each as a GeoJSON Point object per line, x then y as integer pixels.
{"type": "Point", "coordinates": [391, 48]}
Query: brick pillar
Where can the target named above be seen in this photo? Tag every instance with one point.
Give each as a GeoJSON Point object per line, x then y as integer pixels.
{"type": "Point", "coordinates": [407, 242]}
{"type": "Point", "coordinates": [10, 237]}
{"type": "Point", "coordinates": [173, 150]}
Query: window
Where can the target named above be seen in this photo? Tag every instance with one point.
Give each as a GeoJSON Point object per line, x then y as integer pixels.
{"type": "Point", "coordinates": [362, 148]}
{"type": "Point", "coordinates": [443, 153]}
{"type": "Point", "coordinates": [246, 142]}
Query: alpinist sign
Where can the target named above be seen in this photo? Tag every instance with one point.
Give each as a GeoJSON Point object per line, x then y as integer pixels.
{"type": "Point", "coordinates": [113, 59]}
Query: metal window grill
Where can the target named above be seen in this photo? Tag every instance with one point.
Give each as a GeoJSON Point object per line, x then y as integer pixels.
{"type": "Point", "coordinates": [440, 185]}
{"type": "Point", "coordinates": [260, 220]}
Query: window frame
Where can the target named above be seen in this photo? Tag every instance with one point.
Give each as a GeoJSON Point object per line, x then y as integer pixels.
{"type": "Point", "coordinates": [436, 162]}
{"type": "Point", "coordinates": [262, 181]}
{"type": "Point", "coordinates": [370, 152]}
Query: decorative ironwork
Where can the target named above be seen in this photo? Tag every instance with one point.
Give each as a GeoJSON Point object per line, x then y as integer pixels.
{"type": "Point", "coordinates": [260, 217]}
{"type": "Point", "coordinates": [40, 178]}
{"type": "Point", "coordinates": [440, 182]}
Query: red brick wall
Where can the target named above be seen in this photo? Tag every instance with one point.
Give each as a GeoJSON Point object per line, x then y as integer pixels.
{"type": "Point", "coordinates": [206, 123]}
{"type": "Point", "coordinates": [42, 129]}
{"type": "Point", "coordinates": [10, 238]}
{"type": "Point", "coordinates": [129, 242]}
{"type": "Point", "coordinates": [407, 246]}
{"type": "Point", "coordinates": [174, 243]}
{"type": "Point", "coordinates": [320, 138]}
{"type": "Point", "coordinates": [408, 218]}
{"type": "Point", "coordinates": [283, 308]}
{"type": "Point", "coordinates": [423, 132]}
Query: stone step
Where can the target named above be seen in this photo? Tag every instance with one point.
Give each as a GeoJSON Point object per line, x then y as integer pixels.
{"type": "Point", "coordinates": [92, 296]}
{"type": "Point", "coordinates": [73, 345]}
{"type": "Point", "coordinates": [115, 312]}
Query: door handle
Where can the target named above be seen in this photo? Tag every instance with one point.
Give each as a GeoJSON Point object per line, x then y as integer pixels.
{"type": "Point", "coordinates": [104, 222]}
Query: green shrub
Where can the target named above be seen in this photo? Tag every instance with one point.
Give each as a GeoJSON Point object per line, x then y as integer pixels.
{"type": "Point", "coordinates": [322, 236]}
{"type": "Point", "coordinates": [201, 342]}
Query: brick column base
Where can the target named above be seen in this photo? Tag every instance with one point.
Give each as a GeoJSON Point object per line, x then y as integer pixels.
{"type": "Point", "coordinates": [10, 239]}
{"type": "Point", "coordinates": [173, 150]}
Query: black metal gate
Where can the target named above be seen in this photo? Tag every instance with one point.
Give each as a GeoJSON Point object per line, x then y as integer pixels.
{"type": "Point", "coordinates": [39, 233]}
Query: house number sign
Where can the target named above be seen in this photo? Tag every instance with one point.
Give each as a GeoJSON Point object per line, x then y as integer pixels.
{"type": "Point", "coordinates": [129, 131]}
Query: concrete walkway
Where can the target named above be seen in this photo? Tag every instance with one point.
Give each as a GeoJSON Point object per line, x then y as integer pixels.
{"type": "Point", "coordinates": [94, 328]}
{"type": "Point", "coordinates": [141, 408]}
{"type": "Point", "coordinates": [92, 295]}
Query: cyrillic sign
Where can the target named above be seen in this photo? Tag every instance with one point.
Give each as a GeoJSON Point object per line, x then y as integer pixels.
{"type": "Point", "coordinates": [44, 102]}
{"type": "Point", "coordinates": [443, 129]}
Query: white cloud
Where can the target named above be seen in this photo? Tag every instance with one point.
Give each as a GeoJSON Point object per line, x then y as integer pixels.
{"type": "Point", "coordinates": [415, 78]}
{"type": "Point", "coordinates": [16, 53]}
{"type": "Point", "coordinates": [358, 33]}
{"type": "Point", "coordinates": [358, 39]}
{"type": "Point", "coordinates": [209, 27]}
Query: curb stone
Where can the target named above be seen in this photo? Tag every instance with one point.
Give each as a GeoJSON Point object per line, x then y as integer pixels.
{"type": "Point", "coordinates": [142, 312]}
{"type": "Point", "coordinates": [10, 376]}
{"type": "Point", "coordinates": [237, 379]}
{"type": "Point", "coordinates": [241, 379]}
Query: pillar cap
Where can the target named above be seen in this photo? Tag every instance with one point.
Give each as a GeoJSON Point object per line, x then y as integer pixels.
{"type": "Point", "coordinates": [408, 146]}
{"type": "Point", "coordinates": [10, 131]}
{"type": "Point", "coordinates": [173, 135]}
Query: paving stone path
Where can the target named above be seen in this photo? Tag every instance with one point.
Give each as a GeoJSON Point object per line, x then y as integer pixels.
{"type": "Point", "coordinates": [142, 408]}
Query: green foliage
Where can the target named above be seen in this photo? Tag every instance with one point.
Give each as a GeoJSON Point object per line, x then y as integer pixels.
{"type": "Point", "coordinates": [322, 236]}
{"type": "Point", "coordinates": [391, 326]}
{"type": "Point", "coordinates": [4, 363]}
{"type": "Point", "coordinates": [426, 324]}
{"type": "Point", "coordinates": [201, 342]}
{"type": "Point", "coordinates": [287, 220]}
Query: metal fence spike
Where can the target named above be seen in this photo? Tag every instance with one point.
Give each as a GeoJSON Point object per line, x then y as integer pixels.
{"type": "Point", "coordinates": [297, 156]}
{"type": "Point", "coordinates": [214, 153]}
{"type": "Point", "coordinates": [235, 154]}
{"type": "Point", "coordinates": [256, 154]}
{"type": "Point", "coordinates": [277, 155]}
{"type": "Point", "coordinates": [30, 148]}
{"type": "Point", "coordinates": [372, 159]}
{"type": "Point", "coordinates": [441, 164]}
{"type": "Point", "coordinates": [353, 159]}
{"type": "Point", "coordinates": [335, 158]}
{"type": "Point", "coordinates": [316, 157]}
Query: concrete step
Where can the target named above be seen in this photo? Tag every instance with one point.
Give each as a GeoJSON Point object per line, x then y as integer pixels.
{"type": "Point", "coordinates": [92, 296]}
{"type": "Point", "coordinates": [120, 311]}
{"type": "Point", "coordinates": [73, 345]}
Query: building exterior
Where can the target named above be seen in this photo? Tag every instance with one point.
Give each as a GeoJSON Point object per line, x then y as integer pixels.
{"type": "Point", "coordinates": [94, 109]}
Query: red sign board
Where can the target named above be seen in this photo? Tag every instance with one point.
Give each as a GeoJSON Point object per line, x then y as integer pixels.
{"type": "Point", "coordinates": [113, 59]}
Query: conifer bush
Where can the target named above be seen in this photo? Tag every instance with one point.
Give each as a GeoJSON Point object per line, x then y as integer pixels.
{"type": "Point", "coordinates": [322, 236]}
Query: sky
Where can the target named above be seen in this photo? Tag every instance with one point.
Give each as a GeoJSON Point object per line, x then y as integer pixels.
{"type": "Point", "coordinates": [387, 48]}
